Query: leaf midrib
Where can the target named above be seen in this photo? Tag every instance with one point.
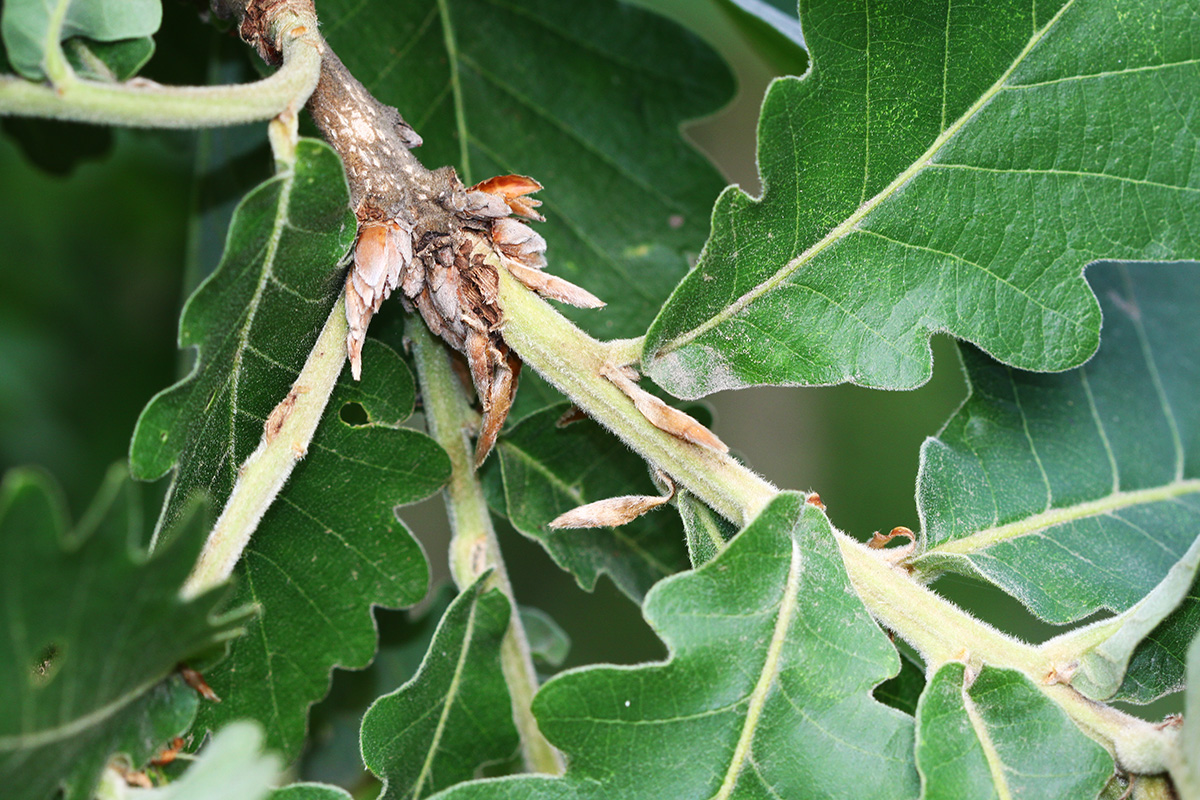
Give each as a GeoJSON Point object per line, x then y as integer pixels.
{"type": "Point", "coordinates": [850, 224]}
{"type": "Point", "coordinates": [766, 678]}
{"type": "Point", "coordinates": [1104, 506]}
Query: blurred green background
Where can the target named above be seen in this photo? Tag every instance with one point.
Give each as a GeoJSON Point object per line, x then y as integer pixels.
{"type": "Point", "coordinates": [103, 237]}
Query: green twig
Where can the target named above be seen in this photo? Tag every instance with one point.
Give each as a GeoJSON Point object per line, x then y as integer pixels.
{"type": "Point", "coordinates": [288, 431]}
{"type": "Point", "coordinates": [573, 362]}
{"type": "Point", "coordinates": [473, 546]}
{"type": "Point", "coordinates": [145, 104]}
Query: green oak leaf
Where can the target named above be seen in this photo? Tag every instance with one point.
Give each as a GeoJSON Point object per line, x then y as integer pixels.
{"type": "Point", "coordinates": [767, 692]}
{"type": "Point", "coordinates": [942, 167]}
{"type": "Point", "coordinates": [93, 632]}
{"type": "Point", "coordinates": [455, 714]}
{"type": "Point", "coordinates": [231, 766]}
{"type": "Point", "coordinates": [548, 642]}
{"type": "Point", "coordinates": [904, 690]}
{"type": "Point", "coordinates": [545, 470]}
{"type": "Point", "coordinates": [587, 97]}
{"type": "Point", "coordinates": [110, 61]}
{"type": "Point", "coordinates": [33, 29]}
{"type": "Point", "coordinates": [1080, 491]}
{"type": "Point", "coordinates": [706, 530]}
{"type": "Point", "coordinates": [329, 548]}
{"type": "Point", "coordinates": [994, 735]}
{"type": "Point", "coordinates": [333, 754]}
{"type": "Point", "coordinates": [254, 321]}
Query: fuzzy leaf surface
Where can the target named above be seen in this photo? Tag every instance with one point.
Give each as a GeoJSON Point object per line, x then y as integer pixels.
{"type": "Point", "coordinates": [999, 737]}
{"type": "Point", "coordinates": [93, 632]}
{"type": "Point", "coordinates": [33, 27]}
{"type": "Point", "coordinates": [587, 97]}
{"type": "Point", "coordinates": [455, 714]}
{"type": "Point", "coordinates": [1080, 491]}
{"type": "Point", "coordinates": [253, 321]}
{"type": "Point", "coordinates": [546, 470]}
{"type": "Point", "coordinates": [328, 549]}
{"type": "Point", "coordinates": [943, 167]}
{"type": "Point", "coordinates": [769, 627]}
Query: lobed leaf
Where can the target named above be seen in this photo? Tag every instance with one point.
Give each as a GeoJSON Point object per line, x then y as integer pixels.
{"type": "Point", "coordinates": [455, 714]}
{"type": "Point", "coordinates": [254, 321]}
{"type": "Point", "coordinates": [32, 28]}
{"type": "Point", "coordinates": [328, 549]}
{"type": "Point", "coordinates": [93, 633]}
{"type": "Point", "coordinates": [545, 470]}
{"type": "Point", "coordinates": [942, 167]}
{"type": "Point", "coordinates": [1079, 492]}
{"type": "Point", "coordinates": [766, 692]}
{"type": "Point", "coordinates": [994, 735]}
{"type": "Point", "coordinates": [587, 97]}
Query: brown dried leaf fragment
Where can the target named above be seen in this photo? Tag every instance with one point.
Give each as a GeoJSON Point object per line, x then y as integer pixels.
{"type": "Point", "coordinates": [382, 258]}
{"type": "Point", "coordinates": [512, 189]}
{"type": "Point", "coordinates": [614, 511]}
{"type": "Point", "coordinates": [661, 415]}
{"type": "Point", "coordinates": [878, 540]}
{"type": "Point", "coordinates": [552, 286]}
{"type": "Point", "coordinates": [195, 680]}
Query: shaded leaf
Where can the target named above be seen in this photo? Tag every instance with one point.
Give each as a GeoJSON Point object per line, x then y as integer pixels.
{"type": "Point", "coordinates": [997, 736]}
{"type": "Point", "coordinates": [586, 97]}
{"type": "Point", "coordinates": [545, 471]}
{"type": "Point", "coordinates": [93, 633]}
{"type": "Point", "coordinates": [753, 636]}
{"type": "Point", "coordinates": [1078, 492]}
{"type": "Point", "coordinates": [333, 754]}
{"type": "Point", "coordinates": [772, 28]}
{"type": "Point", "coordinates": [455, 714]}
{"type": "Point", "coordinates": [548, 642]}
{"type": "Point", "coordinates": [706, 531]}
{"type": "Point", "coordinates": [328, 549]}
{"type": "Point", "coordinates": [111, 61]}
{"type": "Point", "coordinates": [942, 167]}
{"type": "Point", "coordinates": [254, 321]}
{"type": "Point", "coordinates": [904, 690]}
{"type": "Point", "coordinates": [32, 27]}
{"type": "Point", "coordinates": [231, 766]}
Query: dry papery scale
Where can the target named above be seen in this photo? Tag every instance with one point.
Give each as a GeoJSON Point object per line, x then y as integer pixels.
{"type": "Point", "coordinates": [440, 243]}
{"type": "Point", "coordinates": [437, 241]}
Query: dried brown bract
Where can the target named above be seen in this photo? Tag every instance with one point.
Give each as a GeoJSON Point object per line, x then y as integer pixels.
{"type": "Point", "coordinates": [614, 511]}
{"type": "Point", "coordinates": [444, 264]}
{"type": "Point", "coordinates": [661, 415]}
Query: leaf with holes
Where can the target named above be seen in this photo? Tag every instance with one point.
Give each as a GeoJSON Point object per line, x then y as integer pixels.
{"type": "Point", "coordinates": [768, 628]}
{"type": "Point", "coordinates": [587, 97]}
{"type": "Point", "coordinates": [455, 715]}
{"type": "Point", "coordinates": [1080, 492]}
{"type": "Point", "coordinates": [994, 735]}
{"type": "Point", "coordinates": [545, 470]}
{"type": "Point", "coordinates": [254, 321]}
{"type": "Point", "coordinates": [328, 549]}
{"type": "Point", "coordinates": [93, 633]}
{"type": "Point", "coordinates": [942, 167]}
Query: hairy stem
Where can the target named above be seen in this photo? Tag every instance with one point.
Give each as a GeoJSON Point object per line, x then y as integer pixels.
{"type": "Point", "coordinates": [288, 431]}
{"type": "Point", "coordinates": [144, 104]}
{"type": "Point", "coordinates": [473, 546]}
{"type": "Point", "coordinates": [573, 362]}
